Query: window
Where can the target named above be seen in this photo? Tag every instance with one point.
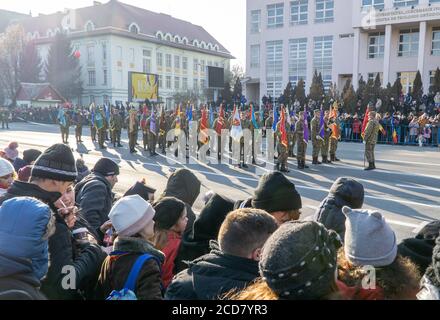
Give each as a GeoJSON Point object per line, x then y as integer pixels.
{"type": "Point", "coordinates": [297, 60]}
{"type": "Point", "coordinates": [160, 81]}
{"type": "Point", "coordinates": [324, 11]}
{"type": "Point", "coordinates": [255, 21]}
{"type": "Point", "coordinates": [323, 58]}
{"type": "Point", "coordinates": [196, 84]}
{"type": "Point", "coordinates": [89, 26]}
{"type": "Point", "coordinates": [255, 56]}
{"type": "Point", "coordinates": [90, 55]}
{"type": "Point", "coordinates": [176, 83]}
{"type": "Point", "coordinates": [185, 83]}
{"type": "Point", "coordinates": [202, 83]}
{"type": "Point", "coordinates": [196, 65]}
{"type": "Point", "coordinates": [405, 3]}
{"type": "Point", "coordinates": [92, 99]}
{"type": "Point", "coordinates": [184, 63]}
{"type": "Point", "coordinates": [407, 80]}
{"type": "Point", "coordinates": [299, 12]}
{"type": "Point", "coordinates": [274, 67]}
{"type": "Point", "coordinates": [372, 76]}
{"type": "Point", "coordinates": [376, 45]}
{"type": "Point", "coordinates": [134, 29]}
{"type": "Point", "coordinates": [168, 61]}
{"type": "Point", "coordinates": [131, 57]}
{"type": "Point", "coordinates": [408, 43]}
{"type": "Point", "coordinates": [104, 77]}
{"type": "Point", "coordinates": [216, 64]}
{"type": "Point", "coordinates": [209, 63]}
{"type": "Point", "coordinates": [104, 51]}
{"type": "Point", "coordinates": [92, 78]}
{"type": "Point", "coordinates": [159, 59]}
{"type": "Point", "coordinates": [176, 62]}
{"type": "Point", "coordinates": [275, 15]}
{"type": "Point", "coordinates": [202, 66]}
{"type": "Point", "coordinates": [435, 42]}
{"type": "Point", "coordinates": [146, 60]}
{"type": "Point", "coordinates": [168, 82]}
{"type": "Point", "coordinates": [376, 4]}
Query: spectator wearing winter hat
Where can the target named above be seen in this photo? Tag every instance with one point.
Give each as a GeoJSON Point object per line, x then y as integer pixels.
{"type": "Point", "coordinates": [7, 174]}
{"type": "Point", "coordinates": [277, 195]}
{"type": "Point", "coordinates": [170, 223]}
{"type": "Point", "coordinates": [343, 192]}
{"type": "Point", "coordinates": [132, 218]}
{"type": "Point", "coordinates": [205, 229]}
{"type": "Point", "coordinates": [140, 188]}
{"type": "Point", "coordinates": [52, 174]}
{"type": "Point", "coordinates": [370, 241]}
{"type": "Point", "coordinates": [83, 170]}
{"type": "Point", "coordinates": [29, 157]}
{"type": "Point", "coordinates": [25, 227]}
{"type": "Point", "coordinates": [94, 193]}
{"type": "Point", "coordinates": [232, 263]}
{"type": "Point", "coordinates": [11, 152]}
{"type": "Point", "coordinates": [430, 284]}
{"type": "Point", "coordinates": [298, 262]}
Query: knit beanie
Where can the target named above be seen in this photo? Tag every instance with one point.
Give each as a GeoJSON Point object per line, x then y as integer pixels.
{"type": "Point", "coordinates": [106, 167]}
{"type": "Point", "coordinates": [168, 212]}
{"type": "Point", "coordinates": [24, 173]}
{"type": "Point", "coordinates": [6, 168]}
{"type": "Point", "coordinates": [350, 190]}
{"type": "Point", "coordinates": [369, 240]}
{"type": "Point", "coordinates": [31, 155]}
{"type": "Point", "coordinates": [11, 151]}
{"type": "Point", "coordinates": [131, 214]}
{"type": "Point", "coordinates": [140, 189]}
{"type": "Point", "coordinates": [276, 193]}
{"type": "Point", "coordinates": [56, 163]}
{"type": "Point", "coordinates": [299, 260]}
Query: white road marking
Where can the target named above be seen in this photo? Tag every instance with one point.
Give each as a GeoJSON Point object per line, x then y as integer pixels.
{"type": "Point", "coordinates": [416, 187]}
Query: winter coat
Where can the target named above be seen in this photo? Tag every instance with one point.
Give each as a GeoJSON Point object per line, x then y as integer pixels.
{"type": "Point", "coordinates": [428, 290]}
{"type": "Point", "coordinates": [413, 128]}
{"type": "Point", "coordinates": [357, 125]}
{"type": "Point", "coordinates": [185, 186]}
{"type": "Point", "coordinates": [170, 251]}
{"type": "Point", "coordinates": [211, 276]}
{"type": "Point", "coordinates": [206, 228]}
{"type": "Point", "coordinates": [19, 163]}
{"type": "Point", "coordinates": [95, 198]}
{"type": "Point", "coordinates": [344, 192]}
{"type": "Point", "coordinates": [353, 293]}
{"type": "Point", "coordinates": [115, 270]}
{"type": "Point", "coordinates": [63, 251]}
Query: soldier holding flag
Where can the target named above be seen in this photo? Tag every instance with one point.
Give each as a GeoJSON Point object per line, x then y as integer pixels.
{"type": "Point", "coordinates": [219, 125]}
{"type": "Point", "coordinates": [282, 143]}
{"type": "Point", "coordinates": [302, 137]}
{"type": "Point", "coordinates": [336, 131]}
{"type": "Point", "coordinates": [317, 126]}
{"type": "Point", "coordinates": [152, 133]}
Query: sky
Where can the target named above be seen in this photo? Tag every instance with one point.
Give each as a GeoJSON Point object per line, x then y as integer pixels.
{"type": "Point", "coordinates": [225, 20]}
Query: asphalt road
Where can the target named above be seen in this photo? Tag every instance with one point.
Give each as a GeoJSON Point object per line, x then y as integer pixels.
{"type": "Point", "coordinates": [405, 188]}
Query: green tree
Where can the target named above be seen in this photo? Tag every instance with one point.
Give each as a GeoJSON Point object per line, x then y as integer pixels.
{"type": "Point", "coordinates": [237, 91]}
{"type": "Point", "coordinates": [417, 91]}
{"type": "Point", "coordinates": [300, 92]}
{"type": "Point", "coordinates": [360, 90]}
{"type": "Point", "coordinates": [377, 86]}
{"type": "Point", "coordinates": [349, 97]}
{"type": "Point", "coordinates": [436, 84]}
{"type": "Point", "coordinates": [30, 64]}
{"type": "Point", "coordinates": [289, 94]}
{"type": "Point", "coordinates": [316, 89]}
{"type": "Point", "coordinates": [227, 94]}
{"type": "Point", "coordinates": [396, 90]}
{"type": "Point", "coordinates": [369, 95]}
{"type": "Point", "coordinates": [62, 69]}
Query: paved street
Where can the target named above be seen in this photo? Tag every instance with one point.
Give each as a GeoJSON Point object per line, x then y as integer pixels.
{"type": "Point", "coordinates": [405, 188]}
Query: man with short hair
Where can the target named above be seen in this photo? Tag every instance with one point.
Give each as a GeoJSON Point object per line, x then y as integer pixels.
{"type": "Point", "coordinates": [233, 262]}
{"type": "Point", "coordinates": [94, 193]}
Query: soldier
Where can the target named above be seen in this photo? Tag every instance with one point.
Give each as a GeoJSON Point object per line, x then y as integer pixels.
{"type": "Point", "coordinates": [370, 139]}
{"type": "Point", "coordinates": [116, 124]}
{"type": "Point", "coordinates": [291, 136]}
{"type": "Point", "coordinates": [145, 128]}
{"type": "Point", "coordinates": [245, 124]}
{"type": "Point", "coordinates": [4, 117]}
{"type": "Point", "coordinates": [335, 124]}
{"type": "Point", "coordinates": [93, 122]}
{"type": "Point", "coordinates": [100, 126]}
{"type": "Point", "coordinates": [133, 127]}
{"type": "Point", "coordinates": [219, 125]}
{"type": "Point", "coordinates": [79, 124]}
{"type": "Point", "coordinates": [163, 129]}
{"type": "Point", "coordinates": [64, 122]}
{"type": "Point", "coordinates": [153, 131]}
{"type": "Point", "coordinates": [302, 146]}
{"type": "Point", "coordinates": [281, 149]}
{"type": "Point", "coordinates": [316, 138]}
{"type": "Point", "coordinates": [326, 143]}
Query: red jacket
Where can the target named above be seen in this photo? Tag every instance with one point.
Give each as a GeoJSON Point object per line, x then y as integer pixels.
{"type": "Point", "coordinates": [357, 126]}
{"type": "Point", "coordinates": [170, 252]}
{"type": "Point", "coordinates": [353, 293]}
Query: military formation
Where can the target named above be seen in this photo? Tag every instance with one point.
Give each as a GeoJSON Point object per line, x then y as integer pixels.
{"type": "Point", "coordinates": [291, 129]}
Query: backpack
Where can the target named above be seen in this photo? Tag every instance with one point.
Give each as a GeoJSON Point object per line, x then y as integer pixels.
{"type": "Point", "coordinates": [127, 292]}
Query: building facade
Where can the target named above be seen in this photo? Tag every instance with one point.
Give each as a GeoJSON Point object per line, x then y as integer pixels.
{"type": "Point", "coordinates": [114, 39]}
{"type": "Point", "coordinates": [341, 39]}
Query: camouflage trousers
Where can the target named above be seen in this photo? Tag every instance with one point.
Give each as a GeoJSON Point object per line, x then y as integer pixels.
{"type": "Point", "coordinates": [64, 133]}
{"type": "Point", "coordinates": [301, 150]}
{"type": "Point", "coordinates": [324, 147]}
{"type": "Point", "coordinates": [317, 146]}
{"type": "Point", "coordinates": [101, 137]}
{"type": "Point", "coordinates": [282, 155]}
{"type": "Point", "coordinates": [333, 146]}
{"type": "Point", "coordinates": [292, 140]}
{"type": "Point", "coordinates": [369, 151]}
{"type": "Point", "coordinates": [116, 136]}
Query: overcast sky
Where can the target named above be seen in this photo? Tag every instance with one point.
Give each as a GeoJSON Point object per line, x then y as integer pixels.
{"type": "Point", "coordinates": [225, 20]}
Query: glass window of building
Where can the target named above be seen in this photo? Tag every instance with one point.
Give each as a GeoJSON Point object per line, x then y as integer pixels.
{"type": "Point", "coordinates": [324, 11]}
{"type": "Point", "coordinates": [274, 67]}
{"type": "Point", "coordinates": [297, 60]}
{"type": "Point", "coordinates": [408, 43]}
{"type": "Point", "coordinates": [275, 15]}
{"type": "Point", "coordinates": [323, 58]}
{"type": "Point", "coordinates": [299, 11]}
{"type": "Point", "coordinates": [376, 45]}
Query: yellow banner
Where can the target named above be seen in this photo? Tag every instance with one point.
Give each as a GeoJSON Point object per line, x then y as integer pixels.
{"type": "Point", "coordinates": [144, 86]}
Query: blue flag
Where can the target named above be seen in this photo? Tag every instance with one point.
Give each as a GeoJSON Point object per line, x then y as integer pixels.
{"type": "Point", "coordinates": [189, 113]}
{"type": "Point", "coordinates": [62, 117]}
{"type": "Point", "coordinates": [275, 118]}
{"type": "Point", "coordinates": [321, 124]}
{"type": "Point", "coordinates": [153, 123]}
{"type": "Point", "coordinates": [254, 121]}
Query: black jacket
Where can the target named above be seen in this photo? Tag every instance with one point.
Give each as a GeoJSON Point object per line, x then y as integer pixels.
{"type": "Point", "coordinates": [344, 192]}
{"type": "Point", "coordinates": [63, 251]}
{"type": "Point", "coordinates": [95, 198]}
{"type": "Point", "coordinates": [211, 276]}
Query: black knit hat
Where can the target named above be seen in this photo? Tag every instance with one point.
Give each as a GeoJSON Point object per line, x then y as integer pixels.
{"type": "Point", "coordinates": [276, 193]}
{"type": "Point", "coordinates": [140, 189]}
{"type": "Point", "coordinates": [56, 163]}
{"type": "Point", "coordinates": [168, 212]}
{"type": "Point", "coordinates": [31, 155]}
{"type": "Point", "coordinates": [106, 167]}
{"type": "Point", "coordinates": [299, 260]}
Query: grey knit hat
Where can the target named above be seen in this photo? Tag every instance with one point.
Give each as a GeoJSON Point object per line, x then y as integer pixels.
{"type": "Point", "coordinates": [369, 240]}
{"type": "Point", "coordinates": [299, 260]}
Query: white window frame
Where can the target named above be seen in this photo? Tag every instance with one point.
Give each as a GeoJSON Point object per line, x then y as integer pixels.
{"type": "Point", "coordinates": [275, 15]}
{"type": "Point", "coordinates": [327, 9]}
{"type": "Point", "coordinates": [255, 21]}
{"type": "Point", "coordinates": [297, 60]}
{"type": "Point", "coordinates": [255, 56]}
{"type": "Point", "coordinates": [378, 45]}
{"type": "Point", "coordinates": [323, 58]}
{"type": "Point", "coordinates": [299, 12]}
{"type": "Point", "coordinates": [412, 44]}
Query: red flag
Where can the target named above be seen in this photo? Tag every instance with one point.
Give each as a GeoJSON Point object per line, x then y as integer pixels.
{"type": "Point", "coordinates": [365, 123]}
{"type": "Point", "coordinates": [204, 126]}
{"type": "Point", "coordinates": [283, 131]}
{"type": "Point", "coordinates": [220, 121]}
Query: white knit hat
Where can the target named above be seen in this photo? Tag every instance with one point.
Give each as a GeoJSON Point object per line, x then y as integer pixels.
{"type": "Point", "coordinates": [131, 214]}
{"type": "Point", "coordinates": [6, 167]}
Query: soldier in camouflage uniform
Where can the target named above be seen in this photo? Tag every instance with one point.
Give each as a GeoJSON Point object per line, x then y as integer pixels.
{"type": "Point", "coordinates": [116, 123]}
{"type": "Point", "coordinates": [334, 140]}
{"type": "Point", "coordinates": [326, 143]}
{"type": "Point", "coordinates": [101, 126]}
{"type": "Point", "coordinates": [370, 139]}
{"type": "Point", "coordinates": [163, 129]}
{"type": "Point", "coordinates": [302, 146]}
{"type": "Point", "coordinates": [316, 138]}
{"type": "Point", "coordinates": [245, 124]}
{"type": "Point", "coordinates": [79, 124]}
{"type": "Point", "coordinates": [133, 128]}
{"type": "Point", "coordinates": [153, 132]}
{"type": "Point", "coordinates": [291, 136]}
{"type": "Point", "coordinates": [4, 117]}
{"type": "Point", "coordinates": [281, 149]}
